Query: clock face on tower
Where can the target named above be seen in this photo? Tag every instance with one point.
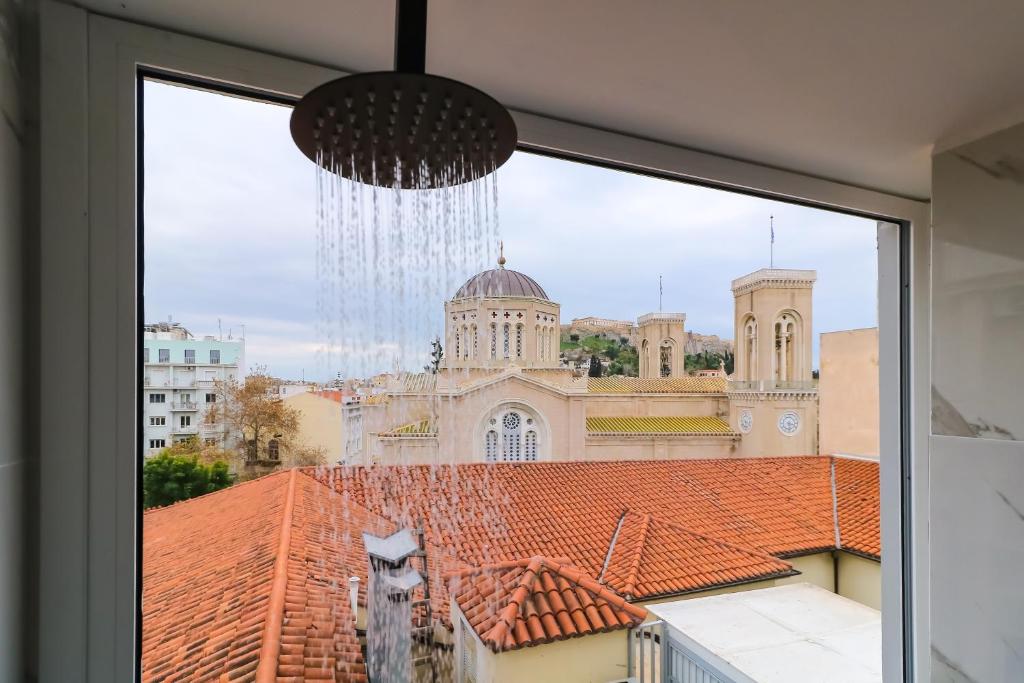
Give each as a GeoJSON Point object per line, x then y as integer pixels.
{"type": "Point", "coordinates": [746, 420]}
{"type": "Point", "coordinates": [789, 423]}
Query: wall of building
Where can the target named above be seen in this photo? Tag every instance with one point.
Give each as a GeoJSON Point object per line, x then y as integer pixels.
{"type": "Point", "coordinates": [976, 451]}
{"type": "Point", "coordinates": [599, 657]}
{"type": "Point", "coordinates": [818, 569]}
{"type": "Point", "coordinates": [848, 410]}
{"type": "Point", "coordinates": [765, 437]}
{"type": "Point", "coordinates": [15, 463]}
{"type": "Point", "coordinates": [860, 579]}
{"type": "Point", "coordinates": [320, 424]}
{"type": "Point", "coordinates": [655, 405]}
{"type": "Point", "coordinates": [659, 448]}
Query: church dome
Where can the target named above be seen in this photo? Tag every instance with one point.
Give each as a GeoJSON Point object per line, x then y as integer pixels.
{"type": "Point", "coordinates": [501, 282]}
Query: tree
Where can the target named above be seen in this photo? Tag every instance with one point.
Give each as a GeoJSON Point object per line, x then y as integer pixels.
{"type": "Point", "coordinates": [255, 414]}
{"type": "Point", "coordinates": [169, 477]}
{"type": "Point", "coordinates": [574, 337]}
{"type": "Point", "coordinates": [615, 368]}
{"type": "Point", "coordinates": [436, 354]}
{"type": "Point", "coordinates": [595, 366]}
{"type": "Point", "coordinates": [612, 351]}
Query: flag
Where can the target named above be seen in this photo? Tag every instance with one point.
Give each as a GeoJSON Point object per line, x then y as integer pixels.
{"type": "Point", "coordinates": [772, 219]}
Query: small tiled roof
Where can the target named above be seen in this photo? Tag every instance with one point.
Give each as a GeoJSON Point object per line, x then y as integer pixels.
{"type": "Point", "coordinates": [538, 600]}
{"type": "Point", "coordinates": [377, 400]}
{"type": "Point", "coordinates": [668, 385]}
{"type": "Point", "coordinates": [650, 557]}
{"type": "Point", "coordinates": [424, 427]}
{"type": "Point", "coordinates": [857, 505]}
{"type": "Point", "coordinates": [681, 425]}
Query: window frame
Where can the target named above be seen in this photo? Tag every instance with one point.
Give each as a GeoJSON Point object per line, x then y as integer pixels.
{"type": "Point", "coordinates": [89, 516]}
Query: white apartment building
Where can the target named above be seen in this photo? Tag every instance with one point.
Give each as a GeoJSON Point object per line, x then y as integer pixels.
{"type": "Point", "coordinates": [179, 376]}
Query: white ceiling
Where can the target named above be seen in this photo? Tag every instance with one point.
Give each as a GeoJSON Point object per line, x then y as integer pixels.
{"type": "Point", "coordinates": [854, 91]}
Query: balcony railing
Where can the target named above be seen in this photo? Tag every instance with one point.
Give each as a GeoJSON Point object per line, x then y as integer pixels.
{"type": "Point", "coordinates": [187, 429]}
{"type": "Point", "coordinates": [773, 385]}
{"type": "Point", "coordinates": [645, 656]}
{"type": "Point", "coordinates": [184, 405]}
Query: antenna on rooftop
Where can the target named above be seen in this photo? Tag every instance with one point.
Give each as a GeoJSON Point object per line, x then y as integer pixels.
{"type": "Point", "coordinates": [771, 257]}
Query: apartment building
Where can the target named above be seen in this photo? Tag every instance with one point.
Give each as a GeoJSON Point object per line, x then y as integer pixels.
{"type": "Point", "coordinates": [180, 372]}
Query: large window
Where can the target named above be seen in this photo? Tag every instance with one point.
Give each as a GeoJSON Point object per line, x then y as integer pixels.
{"type": "Point", "coordinates": [699, 358]}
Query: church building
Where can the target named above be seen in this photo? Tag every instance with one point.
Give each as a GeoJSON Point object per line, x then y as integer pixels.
{"type": "Point", "coordinates": [503, 395]}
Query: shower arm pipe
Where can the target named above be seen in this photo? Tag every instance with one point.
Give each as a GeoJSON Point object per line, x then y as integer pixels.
{"type": "Point", "coordinates": [411, 36]}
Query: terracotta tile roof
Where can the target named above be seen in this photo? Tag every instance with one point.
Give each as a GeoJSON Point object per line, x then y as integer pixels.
{"type": "Point", "coordinates": [858, 505]}
{"type": "Point", "coordinates": [650, 557]}
{"type": "Point", "coordinates": [538, 600]}
{"type": "Point", "coordinates": [487, 513]}
{"type": "Point", "coordinates": [252, 581]}
{"type": "Point", "coordinates": [377, 399]}
{"type": "Point", "coordinates": [336, 395]}
{"type": "Point", "coordinates": [676, 385]}
{"type": "Point", "coordinates": [424, 427]}
{"type": "Point", "coordinates": [682, 425]}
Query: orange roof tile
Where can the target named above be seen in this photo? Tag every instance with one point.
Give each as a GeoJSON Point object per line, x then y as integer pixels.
{"type": "Point", "coordinates": [252, 581]}
{"type": "Point", "coordinates": [858, 506]}
{"type": "Point", "coordinates": [650, 557]}
{"type": "Point", "coordinates": [487, 513]}
{"type": "Point", "coordinates": [538, 600]}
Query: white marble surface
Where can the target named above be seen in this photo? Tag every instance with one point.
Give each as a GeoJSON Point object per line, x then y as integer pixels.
{"type": "Point", "coordinates": [977, 560]}
{"type": "Point", "coordinates": [978, 288]}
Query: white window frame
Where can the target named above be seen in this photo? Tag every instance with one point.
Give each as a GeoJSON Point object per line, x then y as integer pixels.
{"type": "Point", "coordinates": [88, 468]}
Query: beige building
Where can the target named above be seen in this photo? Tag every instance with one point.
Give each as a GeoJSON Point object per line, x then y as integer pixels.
{"type": "Point", "coordinates": [501, 394]}
{"type": "Point", "coordinates": [848, 408]}
{"type": "Point", "coordinates": [320, 423]}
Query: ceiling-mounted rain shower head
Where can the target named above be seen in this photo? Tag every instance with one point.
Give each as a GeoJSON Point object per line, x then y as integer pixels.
{"type": "Point", "coordinates": [431, 131]}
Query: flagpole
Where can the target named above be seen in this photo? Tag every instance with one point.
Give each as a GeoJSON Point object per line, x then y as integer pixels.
{"type": "Point", "coordinates": [771, 257]}
{"type": "Point", "coordinates": [661, 292]}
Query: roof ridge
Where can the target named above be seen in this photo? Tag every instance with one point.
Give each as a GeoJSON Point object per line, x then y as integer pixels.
{"type": "Point", "coordinates": [634, 565]}
{"type": "Point", "coordinates": [270, 648]}
{"type": "Point", "coordinates": [507, 617]}
{"type": "Point", "coordinates": [232, 487]}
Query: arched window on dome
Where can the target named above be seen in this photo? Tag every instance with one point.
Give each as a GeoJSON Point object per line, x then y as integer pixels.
{"type": "Point", "coordinates": [494, 341]}
{"type": "Point", "coordinates": [530, 446]}
{"type": "Point", "coordinates": [491, 446]}
{"type": "Point", "coordinates": [507, 328]}
{"type": "Point", "coordinates": [519, 341]}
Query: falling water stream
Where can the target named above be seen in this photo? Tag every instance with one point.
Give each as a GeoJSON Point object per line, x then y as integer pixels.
{"type": "Point", "coordinates": [387, 259]}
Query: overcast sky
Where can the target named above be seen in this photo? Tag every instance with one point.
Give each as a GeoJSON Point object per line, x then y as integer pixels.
{"type": "Point", "coordinates": [230, 234]}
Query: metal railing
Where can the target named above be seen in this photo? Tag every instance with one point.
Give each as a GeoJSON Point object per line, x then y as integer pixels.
{"type": "Point", "coordinates": [189, 429]}
{"type": "Point", "coordinates": [184, 405]}
{"type": "Point", "coordinates": [644, 656]}
{"type": "Point", "coordinates": [773, 385]}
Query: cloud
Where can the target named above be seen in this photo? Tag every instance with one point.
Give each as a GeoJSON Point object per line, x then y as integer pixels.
{"type": "Point", "coordinates": [231, 233]}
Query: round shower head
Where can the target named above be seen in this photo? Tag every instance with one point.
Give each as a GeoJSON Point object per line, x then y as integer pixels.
{"type": "Point", "coordinates": [410, 130]}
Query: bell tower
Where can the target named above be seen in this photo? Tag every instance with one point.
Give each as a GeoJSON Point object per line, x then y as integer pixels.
{"type": "Point", "coordinates": [662, 340]}
{"type": "Point", "coordinates": [773, 400]}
